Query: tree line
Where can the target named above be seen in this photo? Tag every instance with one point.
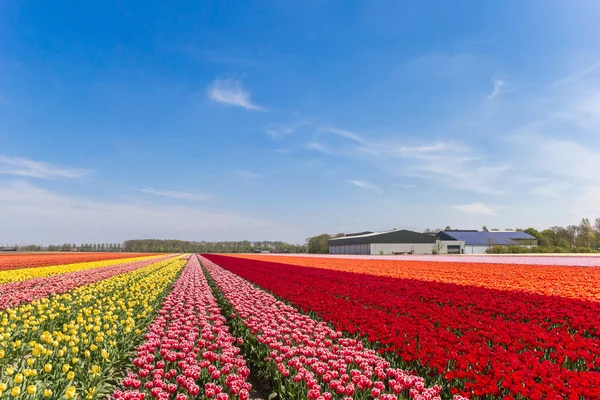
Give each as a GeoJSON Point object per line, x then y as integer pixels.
{"type": "Point", "coordinates": [84, 247]}
{"type": "Point", "coordinates": [184, 246]}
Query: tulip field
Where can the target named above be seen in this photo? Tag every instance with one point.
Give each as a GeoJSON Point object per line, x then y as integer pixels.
{"type": "Point", "coordinates": [178, 327]}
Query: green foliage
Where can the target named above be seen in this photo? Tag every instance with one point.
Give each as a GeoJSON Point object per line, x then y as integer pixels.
{"type": "Point", "coordinates": [182, 246]}
{"type": "Point", "coordinates": [537, 249]}
{"type": "Point", "coordinates": [318, 244]}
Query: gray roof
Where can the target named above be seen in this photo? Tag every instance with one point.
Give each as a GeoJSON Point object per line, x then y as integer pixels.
{"type": "Point", "coordinates": [395, 236]}
{"type": "Point", "coordinates": [487, 238]}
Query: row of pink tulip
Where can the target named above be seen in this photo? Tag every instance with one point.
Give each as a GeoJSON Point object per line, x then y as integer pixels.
{"type": "Point", "coordinates": [188, 352]}
{"type": "Point", "coordinates": [15, 293]}
{"type": "Point", "coordinates": [306, 358]}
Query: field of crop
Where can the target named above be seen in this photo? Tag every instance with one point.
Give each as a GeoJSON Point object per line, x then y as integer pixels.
{"type": "Point", "coordinates": [293, 328]}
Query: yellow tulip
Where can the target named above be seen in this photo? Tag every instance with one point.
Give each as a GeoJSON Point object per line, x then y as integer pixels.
{"type": "Point", "coordinates": [31, 389]}
{"type": "Point", "coordinates": [3, 387]}
{"type": "Point", "coordinates": [18, 378]}
{"type": "Point", "coordinates": [47, 393]}
{"type": "Point", "coordinates": [71, 375]}
{"type": "Point", "coordinates": [71, 392]}
{"type": "Point", "coordinates": [95, 370]}
{"type": "Point", "coordinates": [30, 361]}
{"type": "Point", "coordinates": [16, 391]}
{"type": "Point", "coordinates": [90, 393]}
{"type": "Point", "coordinates": [104, 354]}
{"type": "Point", "coordinates": [2, 353]}
{"type": "Point", "coordinates": [66, 368]}
{"type": "Point", "coordinates": [48, 368]}
{"type": "Point", "coordinates": [9, 370]}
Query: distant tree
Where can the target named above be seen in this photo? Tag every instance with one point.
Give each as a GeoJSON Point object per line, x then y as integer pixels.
{"type": "Point", "coordinates": [572, 231]}
{"type": "Point", "coordinates": [447, 228]}
{"type": "Point", "coordinates": [585, 234]}
{"type": "Point", "coordinates": [318, 244]}
{"type": "Point", "coordinates": [485, 229]}
{"type": "Point", "coordinates": [534, 232]}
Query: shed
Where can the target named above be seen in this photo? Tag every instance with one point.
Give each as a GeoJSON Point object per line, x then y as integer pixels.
{"type": "Point", "coordinates": [478, 242]}
{"type": "Point", "coordinates": [387, 242]}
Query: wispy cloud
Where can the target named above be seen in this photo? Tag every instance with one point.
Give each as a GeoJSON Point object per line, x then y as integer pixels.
{"type": "Point", "coordinates": [246, 174]}
{"type": "Point", "coordinates": [176, 194]}
{"type": "Point", "coordinates": [444, 163]}
{"type": "Point", "coordinates": [230, 91]}
{"type": "Point", "coordinates": [319, 147]}
{"type": "Point", "coordinates": [344, 133]}
{"type": "Point", "coordinates": [36, 169]}
{"type": "Point", "coordinates": [497, 90]}
{"type": "Point", "coordinates": [364, 185]}
{"type": "Point", "coordinates": [278, 131]}
{"type": "Point", "coordinates": [43, 216]}
{"type": "Point", "coordinates": [478, 208]}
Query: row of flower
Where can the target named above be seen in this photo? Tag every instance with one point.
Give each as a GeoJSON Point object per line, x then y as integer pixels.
{"type": "Point", "coordinates": [14, 293]}
{"type": "Point", "coordinates": [29, 260]}
{"type": "Point", "coordinates": [304, 358]}
{"type": "Point", "coordinates": [76, 344]}
{"type": "Point", "coordinates": [188, 351]}
{"type": "Point", "coordinates": [483, 342]}
{"type": "Point", "coordinates": [18, 275]}
{"type": "Point", "coordinates": [549, 280]}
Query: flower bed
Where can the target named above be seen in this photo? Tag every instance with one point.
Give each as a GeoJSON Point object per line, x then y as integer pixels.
{"type": "Point", "coordinates": [188, 351]}
{"type": "Point", "coordinates": [23, 274]}
{"type": "Point", "coordinates": [14, 293]}
{"type": "Point", "coordinates": [304, 358]}
{"type": "Point", "coordinates": [484, 343]}
{"type": "Point", "coordinates": [33, 260]}
{"type": "Point", "coordinates": [76, 344]}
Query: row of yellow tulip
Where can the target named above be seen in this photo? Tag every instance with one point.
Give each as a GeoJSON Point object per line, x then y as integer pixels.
{"type": "Point", "coordinates": [18, 275]}
{"type": "Point", "coordinates": [78, 343]}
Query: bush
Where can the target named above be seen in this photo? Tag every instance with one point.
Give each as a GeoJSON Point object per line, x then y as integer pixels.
{"type": "Point", "coordinates": [537, 249]}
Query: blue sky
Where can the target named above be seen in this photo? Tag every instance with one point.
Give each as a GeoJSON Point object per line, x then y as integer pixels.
{"type": "Point", "coordinates": [280, 120]}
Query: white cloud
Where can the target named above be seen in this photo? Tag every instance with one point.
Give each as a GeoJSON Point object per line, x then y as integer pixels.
{"type": "Point", "coordinates": [231, 92]}
{"type": "Point", "coordinates": [246, 174]}
{"type": "Point", "coordinates": [478, 208]}
{"type": "Point", "coordinates": [445, 163]}
{"type": "Point", "coordinates": [364, 185]}
{"type": "Point", "coordinates": [176, 194]}
{"type": "Point", "coordinates": [498, 85]}
{"type": "Point", "coordinates": [344, 133]}
{"type": "Point", "coordinates": [319, 147]}
{"type": "Point", "coordinates": [37, 215]}
{"type": "Point", "coordinates": [36, 169]}
{"type": "Point", "coordinates": [279, 131]}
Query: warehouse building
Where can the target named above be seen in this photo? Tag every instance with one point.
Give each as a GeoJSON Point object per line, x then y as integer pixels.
{"type": "Point", "coordinates": [478, 242]}
{"type": "Point", "coordinates": [389, 242]}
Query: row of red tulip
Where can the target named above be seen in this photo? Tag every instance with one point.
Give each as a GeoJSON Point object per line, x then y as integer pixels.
{"type": "Point", "coordinates": [485, 343]}
{"type": "Point", "coordinates": [188, 352]}
{"type": "Point", "coordinates": [306, 358]}
{"type": "Point", "coordinates": [15, 293]}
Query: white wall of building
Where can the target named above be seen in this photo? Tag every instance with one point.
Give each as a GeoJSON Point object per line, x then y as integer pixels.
{"type": "Point", "coordinates": [443, 249]}
{"type": "Point", "coordinates": [476, 249]}
{"type": "Point", "coordinates": [349, 249]}
{"type": "Point", "coordinates": [390, 248]}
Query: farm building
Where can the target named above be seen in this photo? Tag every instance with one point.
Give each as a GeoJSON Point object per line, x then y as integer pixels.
{"type": "Point", "coordinates": [388, 242]}
{"type": "Point", "coordinates": [478, 242]}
